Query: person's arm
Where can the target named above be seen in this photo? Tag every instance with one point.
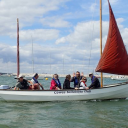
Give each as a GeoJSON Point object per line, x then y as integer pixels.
{"type": "Point", "coordinates": [82, 74]}
{"type": "Point", "coordinates": [93, 83]}
{"type": "Point", "coordinates": [41, 86]}
{"type": "Point", "coordinates": [73, 76]}
{"type": "Point", "coordinates": [29, 81]}
{"type": "Point", "coordinates": [17, 86]}
{"type": "Point", "coordinates": [72, 79]}
{"type": "Point", "coordinates": [57, 88]}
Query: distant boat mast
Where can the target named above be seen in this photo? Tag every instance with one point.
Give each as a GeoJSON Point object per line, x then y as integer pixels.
{"type": "Point", "coordinates": [32, 57]}
{"type": "Point", "coordinates": [63, 64]}
{"type": "Point", "coordinates": [18, 64]}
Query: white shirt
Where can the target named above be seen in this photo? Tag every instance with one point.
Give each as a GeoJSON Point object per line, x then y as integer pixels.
{"type": "Point", "coordinates": [82, 85]}
{"type": "Point", "coordinates": [33, 81]}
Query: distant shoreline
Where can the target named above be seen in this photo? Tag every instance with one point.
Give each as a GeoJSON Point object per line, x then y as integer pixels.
{"type": "Point", "coordinates": [60, 75]}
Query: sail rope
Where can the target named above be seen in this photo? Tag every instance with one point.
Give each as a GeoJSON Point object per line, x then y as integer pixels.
{"type": "Point", "coordinates": [92, 38]}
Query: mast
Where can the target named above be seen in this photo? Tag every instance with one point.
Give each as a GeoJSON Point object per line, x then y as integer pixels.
{"type": "Point", "coordinates": [101, 38]}
{"type": "Point", "coordinates": [63, 64]}
{"type": "Point", "coordinates": [50, 63]}
{"type": "Point", "coordinates": [18, 64]}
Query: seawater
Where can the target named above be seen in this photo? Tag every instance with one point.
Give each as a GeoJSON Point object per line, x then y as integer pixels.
{"type": "Point", "coordinates": [68, 114]}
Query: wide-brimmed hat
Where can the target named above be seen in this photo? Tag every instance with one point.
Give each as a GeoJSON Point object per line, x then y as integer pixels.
{"type": "Point", "coordinates": [20, 76]}
{"type": "Point", "coordinates": [90, 73]}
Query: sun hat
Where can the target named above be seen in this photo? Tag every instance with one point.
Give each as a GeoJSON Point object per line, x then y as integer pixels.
{"type": "Point", "coordinates": [20, 76]}
{"type": "Point", "coordinates": [90, 73]}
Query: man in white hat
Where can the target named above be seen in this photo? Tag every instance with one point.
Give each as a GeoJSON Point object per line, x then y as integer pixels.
{"type": "Point", "coordinates": [94, 82]}
{"type": "Point", "coordinates": [22, 83]}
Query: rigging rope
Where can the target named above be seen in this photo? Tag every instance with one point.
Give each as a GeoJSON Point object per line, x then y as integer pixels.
{"type": "Point", "coordinates": [92, 38]}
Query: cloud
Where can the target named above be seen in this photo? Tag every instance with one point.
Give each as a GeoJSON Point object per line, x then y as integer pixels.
{"type": "Point", "coordinates": [36, 34]}
{"type": "Point", "coordinates": [84, 33]}
{"type": "Point", "coordinates": [112, 2]}
{"type": "Point", "coordinates": [55, 22]}
{"type": "Point", "coordinates": [76, 54]}
{"type": "Point", "coordinates": [44, 58]}
{"type": "Point", "coordinates": [65, 38]}
{"type": "Point", "coordinates": [93, 7]}
{"type": "Point", "coordinates": [26, 10]}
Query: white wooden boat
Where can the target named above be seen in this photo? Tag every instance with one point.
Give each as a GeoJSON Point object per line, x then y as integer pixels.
{"type": "Point", "coordinates": [116, 91]}
{"type": "Point", "coordinates": [119, 77]}
{"type": "Point", "coordinates": [113, 60]}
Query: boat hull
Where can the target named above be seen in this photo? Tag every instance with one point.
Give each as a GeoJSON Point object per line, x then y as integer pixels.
{"type": "Point", "coordinates": [119, 77]}
{"type": "Point", "coordinates": [109, 92]}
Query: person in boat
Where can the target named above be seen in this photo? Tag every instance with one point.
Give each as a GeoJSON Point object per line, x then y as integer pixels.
{"type": "Point", "coordinates": [35, 83]}
{"type": "Point", "coordinates": [94, 82]}
{"type": "Point", "coordinates": [22, 83]}
{"type": "Point", "coordinates": [76, 79]}
{"type": "Point", "coordinates": [55, 83]}
{"type": "Point", "coordinates": [66, 84]}
{"type": "Point", "coordinates": [83, 83]}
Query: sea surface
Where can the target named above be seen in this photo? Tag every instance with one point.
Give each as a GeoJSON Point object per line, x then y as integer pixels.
{"type": "Point", "coordinates": [68, 114]}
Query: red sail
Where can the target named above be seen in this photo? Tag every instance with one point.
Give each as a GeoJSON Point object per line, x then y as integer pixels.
{"type": "Point", "coordinates": [114, 58]}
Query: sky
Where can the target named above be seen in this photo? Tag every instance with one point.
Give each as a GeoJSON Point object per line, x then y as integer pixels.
{"type": "Point", "coordinates": [56, 36]}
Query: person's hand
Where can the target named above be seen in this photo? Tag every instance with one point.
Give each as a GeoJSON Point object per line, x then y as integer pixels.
{"type": "Point", "coordinates": [76, 88]}
{"type": "Point", "coordinates": [32, 86]}
{"type": "Point", "coordinates": [82, 74]}
{"type": "Point", "coordinates": [42, 87]}
{"type": "Point", "coordinates": [87, 88]}
{"type": "Point", "coordinates": [16, 88]}
{"type": "Point", "coordinates": [57, 88]}
{"type": "Point", "coordinates": [74, 74]}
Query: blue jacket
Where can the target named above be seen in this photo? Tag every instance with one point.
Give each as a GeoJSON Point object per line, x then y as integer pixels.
{"type": "Point", "coordinates": [95, 83]}
{"type": "Point", "coordinates": [76, 81]}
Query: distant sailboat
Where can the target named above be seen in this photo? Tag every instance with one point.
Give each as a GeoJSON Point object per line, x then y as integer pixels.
{"type": "Point", "coordinates": [111, 59]}
{"type": "Point", "coordinates": [119, 77]}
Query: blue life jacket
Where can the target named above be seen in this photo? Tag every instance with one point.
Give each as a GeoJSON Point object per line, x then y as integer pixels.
{"type": "Point", "coordinates": [92, 79]}
{"type": "Point", "coordinates": [76, 82]}
{"type": "Point", "coordinates": [35, 80]}
{"type": "Point", "coordinates": [58, 83]}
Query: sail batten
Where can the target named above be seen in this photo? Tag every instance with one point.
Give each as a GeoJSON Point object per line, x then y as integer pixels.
{"type": "Point", "coordinates": [114, 58]}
